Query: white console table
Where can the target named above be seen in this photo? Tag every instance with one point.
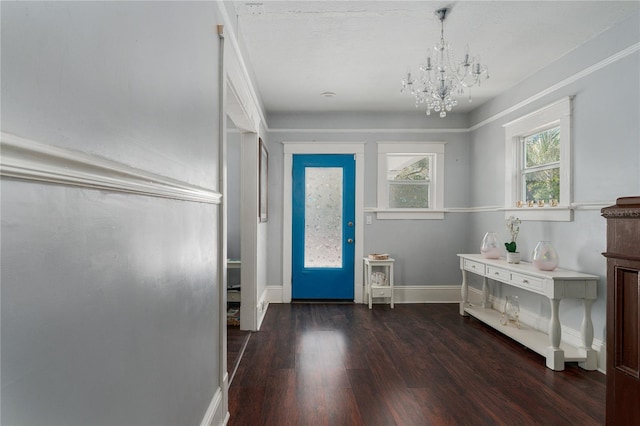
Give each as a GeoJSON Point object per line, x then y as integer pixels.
{"type": "Point", "coordinates": [555, 285]}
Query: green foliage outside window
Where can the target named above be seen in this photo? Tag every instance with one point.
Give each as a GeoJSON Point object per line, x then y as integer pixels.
{"type": "Point", "coordinates": [541, 175]}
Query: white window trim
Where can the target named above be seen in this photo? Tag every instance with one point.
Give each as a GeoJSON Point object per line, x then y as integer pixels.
{"type": "Point", "coordinates": [558, 114]}
{"type": "Point", "coordinates": [437, 196]}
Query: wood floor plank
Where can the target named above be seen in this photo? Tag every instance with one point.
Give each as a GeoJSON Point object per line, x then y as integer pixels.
{"type": "Point", "coordinates": [330, 364]}
{"type": "Point", "coordinates": [342, 407]}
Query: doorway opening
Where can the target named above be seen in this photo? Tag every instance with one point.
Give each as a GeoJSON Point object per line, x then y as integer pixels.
{"type": "Point", "coordinates": [356, 152]}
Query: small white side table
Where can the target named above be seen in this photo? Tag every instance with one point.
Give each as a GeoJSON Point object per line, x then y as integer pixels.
{"type": "Point", "coordinates": [379, 290]}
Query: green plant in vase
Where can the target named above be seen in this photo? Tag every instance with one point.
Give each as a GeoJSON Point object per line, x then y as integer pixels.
{"type": "Point", "coordinates": [513, 226]}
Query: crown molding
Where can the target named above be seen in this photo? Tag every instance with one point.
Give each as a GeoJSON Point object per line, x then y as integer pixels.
{"type": "Point", "coordinates": [563, 83]}
{"type": "Point", "coordinates": [539, 95]}
{"type": "Point", "coordinates": [365, 130]}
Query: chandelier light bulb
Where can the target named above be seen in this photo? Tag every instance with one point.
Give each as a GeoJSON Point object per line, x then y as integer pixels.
{"type": "Point", "coordinates": [441, 79]}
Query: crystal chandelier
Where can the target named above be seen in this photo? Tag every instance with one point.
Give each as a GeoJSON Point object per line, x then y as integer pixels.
{"type": "Point", "coordinates": [441, 79]}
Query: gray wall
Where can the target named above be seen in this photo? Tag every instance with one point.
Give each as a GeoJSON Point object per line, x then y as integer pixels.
{"type": "Point", "coordinates": [109, 300]}
{"type": "Point", "coordinates": [605, 154]}
{"type": "Point", "coordinates": [425, 250]}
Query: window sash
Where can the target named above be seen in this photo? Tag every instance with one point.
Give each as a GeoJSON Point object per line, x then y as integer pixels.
{"type": "Point", "coordinates": [412, 203]}
{"type": "Point", "coordinates": [523, 185]}
{"type": "Point", "coordinates": [523, 148]}
{"type": "Point", "coordinates": [524, 170]}
{"type": "Point", "coordinates": [434, 182]}
{"type": "Point", "coordinates": [395, 187]}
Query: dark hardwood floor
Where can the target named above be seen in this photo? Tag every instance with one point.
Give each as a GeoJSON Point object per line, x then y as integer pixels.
{"type": "Point", "coordinates": [331, 364]}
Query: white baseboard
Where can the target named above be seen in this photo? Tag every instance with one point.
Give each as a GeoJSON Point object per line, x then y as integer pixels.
{"type": "Point", "coordinates": [263, 305]}
{"type": "Point", "coordinates": [216, 413]}
{"type": "Point", "coordinates": [403, 294]}
{"type": "Point", "coordinates": [427, 294]}
{"type": "Point", "coordinates": [274, 294]}
{"type": "Point", "coordinates": [569, 335]}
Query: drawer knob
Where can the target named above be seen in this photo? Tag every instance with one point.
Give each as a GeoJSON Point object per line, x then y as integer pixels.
{"type": "Point", "coordinates": [496, 273]}
{"type": "Point", "coordinates": [525, 281]}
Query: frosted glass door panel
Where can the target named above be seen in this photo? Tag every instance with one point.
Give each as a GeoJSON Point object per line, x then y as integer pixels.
{"type": "Point", "coordinates": [323, 217]}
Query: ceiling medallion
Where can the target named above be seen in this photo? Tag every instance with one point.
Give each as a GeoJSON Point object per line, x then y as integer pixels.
{"type": "Point", "coordinates": [441, 79]}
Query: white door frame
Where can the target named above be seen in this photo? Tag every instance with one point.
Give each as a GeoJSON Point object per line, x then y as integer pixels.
{"type": "Point", "coordinates": [290, 148]}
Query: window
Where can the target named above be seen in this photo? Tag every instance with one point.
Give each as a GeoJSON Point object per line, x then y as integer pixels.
{"type": "Point", "coordinates": [538, 167]}
{"type": "Point", "coordinates": [540, 172]}
{"type": "Point", "coordinates": [410, 180]}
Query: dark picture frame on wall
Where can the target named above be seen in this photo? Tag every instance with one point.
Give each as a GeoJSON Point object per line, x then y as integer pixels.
{"type": "Point", "coordinates": [263, 175]}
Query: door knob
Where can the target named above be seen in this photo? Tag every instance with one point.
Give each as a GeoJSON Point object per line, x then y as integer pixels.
{"type": "Point", "coordinates": [350, 240]}
{"type": "Point", "coordinates": [350, 224]}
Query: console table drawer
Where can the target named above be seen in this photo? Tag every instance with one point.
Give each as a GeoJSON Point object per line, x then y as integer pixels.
{"type": "Point", "coordinates": [380, 291]}
{"type": "Point", "coordinates": [527, 282]}
{"type": "Point", "coordinates": [475, 267]}
{"type": "Point", "coordinates": [498, 274]}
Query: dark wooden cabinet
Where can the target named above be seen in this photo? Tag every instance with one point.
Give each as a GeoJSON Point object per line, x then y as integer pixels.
{"type": "Point", "coordinates": [623, 311]}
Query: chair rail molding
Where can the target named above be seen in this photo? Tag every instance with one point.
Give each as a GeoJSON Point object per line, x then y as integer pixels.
{"type": "Point", "coordinates": [29, 160]}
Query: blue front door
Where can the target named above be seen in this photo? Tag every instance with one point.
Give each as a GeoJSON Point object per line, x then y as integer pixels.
{"type": "Point", "coordinates": [323, 226]}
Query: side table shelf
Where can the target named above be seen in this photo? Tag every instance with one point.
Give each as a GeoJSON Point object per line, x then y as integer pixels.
{"type": "Point", "coordinates": [378, 290]}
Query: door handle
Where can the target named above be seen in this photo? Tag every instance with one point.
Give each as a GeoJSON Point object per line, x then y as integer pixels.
{"type": "Point", "coordinates": [350, 240]}
{"type": "Point", "coordinates": [350, 224]}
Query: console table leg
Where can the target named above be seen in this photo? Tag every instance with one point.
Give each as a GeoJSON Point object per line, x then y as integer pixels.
{"type": "Point", "coordinates": [554, 324]}
{"type": "Point", "coordinates": [555, 355]}
{"type": "Point", "coordinates": [587, 325]}
{"type": "Point", "coordinates": [465, 293]}
{"type": "Point", "coordinates": [485, 293]}
{"type": "Point", "coordinates": [591, 363]}
{"type": "Point", "coordinates": [555, 359]}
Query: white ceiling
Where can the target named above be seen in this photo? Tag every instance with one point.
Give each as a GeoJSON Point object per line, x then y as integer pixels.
{"type": "Point", "coordinates": [362, 49]}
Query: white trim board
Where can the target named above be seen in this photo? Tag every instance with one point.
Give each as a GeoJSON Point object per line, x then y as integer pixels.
{"type": "Point", "coordinates": [426, 293]}
{"type": "Point", "coordinates": [26, 159]}
{"type": "Point", "coordinates": [559, 85]}
{"type": "Point", "coordinates": [240, 68]}
{"type": "Point", "coordinates": [262, 306]}
{"type": "Point", "coordinates": [402, 294]}
{"type": "Point", "coordinates": [371, 130]}
{"type": "Point", "coordinates": [587, 205]}
{"type": "Point", "coordinates": [214, 414]}
{"type": "Point", "coordinates": [290, 148]}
